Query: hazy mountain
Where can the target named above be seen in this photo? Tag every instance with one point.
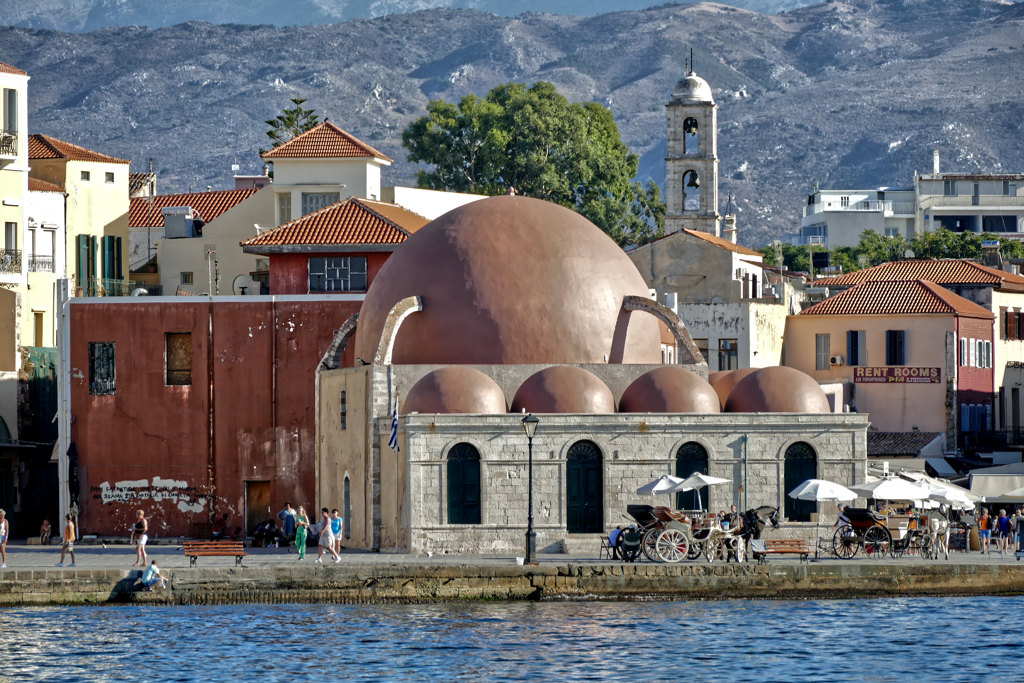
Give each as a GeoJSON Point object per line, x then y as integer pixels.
{"type": "Point", "coordinates": [88, 15]}
{"type": "Point", "coordinates": [848, 95]}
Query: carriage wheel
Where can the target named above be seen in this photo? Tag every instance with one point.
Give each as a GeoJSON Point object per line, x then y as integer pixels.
{"type": "Point", "coordinates": [711, 549]}
{"type": "Point", "coordinates": [672, 545]}
{"type": "Point", "coordinates": [877, 541]}
{"type": "Point", "coordinates": [897, 548]}
{"type": "Point", "coordinates": [926, 548]}
{"type": "Point", "coordinates": [844, 544]}
{"type": "Point", "coordinates": [649, 544]}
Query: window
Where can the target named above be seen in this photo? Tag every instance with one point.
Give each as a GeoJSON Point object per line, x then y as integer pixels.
{"type": "Point", "coordinates": [108, 178]}
{"type": "Point", "coordinates": [39, 327]}
{"type": "Point", "coordinates": [337, 274]}
{"type": "Point", "coordinates": [85, 176]}
{"type": "Point", "coordinates": [801, 464]}
{"type": "Point", "coordinates": [463, 484]}
{"type": "Point", "coordinates": [983, 355]}
{"type": "Point", "coordinates": [1009, 188]}
{"type": "Point", "coordinates": [10, 106]}
{"type": "Point", "coordinates": [702, 346]}
{"type": "Point", "coordinates": [822, 349]}
{"type": "Point", "coordinates": [1010, 325]}
{"type": "Point", "coordinates": [343, 411]}
{"type": "Point", "coordinates": [892, 232]}
{"type": "Point", "coordinates": [10, 236]}
{"type": "Point", "coordinates": [844, 202]}
{"type": "Point", "coordinates": [965, 354]}
{"type": "Point", "coordinates": [690, 138]}
{"type": "Point", "coordinates": [314, 201]}
{"type": "Point", "coordinates": [102, 369]}
{"type": "Point", "coordinates": [894, 345]}
{"type": "Point", "coordinates": [972, 354]}
{"type": "Point", "coordinates": [728, 354]}
{"type": "Point", "coordinates": [284, 208]}
{"type": "Point", "coordinates": [949, 188]}
{"type": "Point", "coordinates": [186, 278]}
{"type": "Point", "coordinates": [179, 358]}
{"type": "Point", "coordinates": [690, 458]}
{"type": "Point", "coordinates": [857, 347]}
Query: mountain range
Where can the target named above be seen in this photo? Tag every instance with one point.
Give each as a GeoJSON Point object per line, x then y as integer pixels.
{"type": "Point", "coordinates": [841, 94]}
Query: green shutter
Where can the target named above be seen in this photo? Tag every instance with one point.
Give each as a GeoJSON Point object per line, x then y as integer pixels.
{"type": "Point", "coordinates": [82, 262]}
{"type": "Point", "coordinates": [118, 258]}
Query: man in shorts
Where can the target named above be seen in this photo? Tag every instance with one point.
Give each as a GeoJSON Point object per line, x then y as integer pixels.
{"type": "Point", "coordinates": [326, 538]}
{"type": "Point", "coordinates": [69, 541]}
{"type": "Point", "coordinates": [152, 577]}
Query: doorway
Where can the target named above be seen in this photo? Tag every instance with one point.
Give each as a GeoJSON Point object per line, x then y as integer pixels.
{"type": "Point", "coordinates": [257, 504]}
{"type": "Point", "coordinates": [583, 489]}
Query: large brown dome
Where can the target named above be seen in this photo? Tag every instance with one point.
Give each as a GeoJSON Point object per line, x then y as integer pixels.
{"type": "Point", "coordinates": [669, 389]}
{"type": "Point", "coordinates": [510, 280]}
{"type": "Point", "coordinates": [455, 389]}
{"type": "Point", "coordinates": [777, 390]}
{"type": "Point", "coordinates": [563, 389]}
{"type": "Point", "coordinates": [723, 382]}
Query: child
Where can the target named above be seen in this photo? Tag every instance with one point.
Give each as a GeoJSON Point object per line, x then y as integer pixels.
{"type": "Point", "coordinates": [152, 576]}
{"type": "Point", "coordinates": [45, 531]}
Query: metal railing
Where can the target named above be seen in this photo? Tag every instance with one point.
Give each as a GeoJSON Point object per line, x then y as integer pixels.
{"type": "Point", "coordinates": [101, 286]}
{"type": "Point", "coordinates": [40, 264]}
{"type": "Point", "coordinates": [8, 143]}
{"type": "Point", "coordinates": [10, 261]}
{"type": "Point", "coordinates": [904, 208]}
{"type": "Point", "coordinates": [865, 205]}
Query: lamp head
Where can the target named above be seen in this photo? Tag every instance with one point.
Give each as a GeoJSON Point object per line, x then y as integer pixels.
{"type": "Point", "coordinates": [530, 423]}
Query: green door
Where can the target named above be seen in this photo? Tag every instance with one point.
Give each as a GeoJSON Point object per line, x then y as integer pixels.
{"type": "Point", "coordinates": [801, 465]}
{"type": "Point", "coordinates": [690, 458]}
{"type": "Point", "coordinates": [584, 489]}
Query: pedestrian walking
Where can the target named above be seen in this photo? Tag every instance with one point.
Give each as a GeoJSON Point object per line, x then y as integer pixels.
{"type": "Point", "coordinates": [68, 546]}
{"type": "Point", "coordinates": [984, 531]}
{"type": "Point", "coordinates": [326, 538]}
{"type": "Point", "coordinates": [336, 526]}
{"type": "Point", "coordinates": [301, 529]}
{"type": "Point", "coordinates": [152, 576]}
{"type": "Point", "coordinates": [140, 535]}
{"type": "Point", "coordinates": [45, 532]}
{"type": "Point", "coordinates": [5, 528]}
{"type": "Point", "coordinates": [1003, 529]}
{"type": "Point", "coordinates": [288, 518]}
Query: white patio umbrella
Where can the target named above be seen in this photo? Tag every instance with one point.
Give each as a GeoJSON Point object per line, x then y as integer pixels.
{"type": "Point", "coordinates": [697, 481]}
{"type": "Point", "coordinates": [890, 488]}
{"type": "Point", "coordinates": [666, 483]}
{"type": "Point", "coordinates": [821, 490]}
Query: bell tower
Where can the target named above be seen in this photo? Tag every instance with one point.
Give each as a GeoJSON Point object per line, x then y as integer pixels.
{"type": "Point", "coordinates": [691, 179]}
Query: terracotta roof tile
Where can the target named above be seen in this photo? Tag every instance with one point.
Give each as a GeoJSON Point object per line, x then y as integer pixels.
{"type": "Point", "coordinates": [36, 185]}
{"type": "Point", "coordinates": [324, 141]}
{"type": "Point", "coordinates": [939, 271]}
{"type": "Point", "coordinates": [352, 221]}
{"type": "Point", "coordinates": [8, 69]}
{"type": "Point", "coordinates": [899, 443]}
{"type": "Point", "coordinates": [897, 297]}
{"type": "Point", "coordinates": [724, 244]}
{"type": "Point", "coordinates": [46, 147]}
{"type": "Point", "coordinates": [208, 205]}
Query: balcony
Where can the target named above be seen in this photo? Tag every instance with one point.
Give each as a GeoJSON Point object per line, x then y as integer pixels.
{"type": "Point", "coordinates": [866, 205]}
{"type": "Point", "coordinates": [10, 262]}
{"type": "Point", "coordinates": [40, 264]}
{"type": "Point", "coordinates": [9, 144]}
{"type": "Point", "coordinates": [101, 286]}
{"type": "Point", "coordinates": [902, 209]}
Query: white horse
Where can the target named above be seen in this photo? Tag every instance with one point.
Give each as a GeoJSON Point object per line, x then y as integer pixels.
{"type": "Point", "coordinates": [939, 531]}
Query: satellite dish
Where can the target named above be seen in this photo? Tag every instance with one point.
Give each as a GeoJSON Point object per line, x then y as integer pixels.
{"type": "Point", "coordinates": [909, 253]}
{"type": "Point", "coordinates": [241, 282]}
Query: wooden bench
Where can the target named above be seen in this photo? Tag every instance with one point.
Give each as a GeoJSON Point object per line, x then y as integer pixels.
{"type": "Point", "coordinates": [196, 549]}
{"type": "Point", "coordinates": [779, 547]}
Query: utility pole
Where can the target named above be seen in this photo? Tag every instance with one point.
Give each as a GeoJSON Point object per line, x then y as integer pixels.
{"type": "Point", "coordinates": [810, 260]}
{"type": "Point", "coordinates": [152, 191]}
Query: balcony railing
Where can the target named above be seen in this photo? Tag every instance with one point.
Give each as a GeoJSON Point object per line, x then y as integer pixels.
{"type": "Point", "coordinates": [101, 286]}
{"type": "Point", "coordinates": [10, 262]}
{"type": "Point", "coordinates": [904, 208]}
{"type": "Point", "coordinates": [40, 264]}
{"type": "Point", "coordinates": [8, 143]}
{"type": "Point", "coordinates": [866, 205]}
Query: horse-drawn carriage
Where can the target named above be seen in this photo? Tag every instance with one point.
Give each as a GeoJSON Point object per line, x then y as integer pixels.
{"type": "Point", "coordinates": [672, 535]}
{"type": "Point", "coordinates": [870, 530]}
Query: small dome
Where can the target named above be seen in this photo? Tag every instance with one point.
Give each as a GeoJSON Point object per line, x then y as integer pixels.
{"type": "Point", "coordinates": [563, 389]}
{"type": "Point", "coordinates": [457, 389]}
{"type": "Point", "coordinates": [777, 390]}
{"type": "Point", "coordinates": [669, 389]}
{"type": "Point", "coordinates": [692, 90]}
{"type": "Point", "coordinates": [724, 381]}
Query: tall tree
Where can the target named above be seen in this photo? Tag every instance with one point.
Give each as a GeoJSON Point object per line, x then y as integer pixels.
{"type": "Point", "coordinates": [291, 122]}
{"type": "Point", "coordinates": [534, 140]}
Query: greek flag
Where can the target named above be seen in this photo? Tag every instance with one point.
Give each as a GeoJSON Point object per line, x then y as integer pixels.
{"type": "Point", "coordinates": [393, 441]}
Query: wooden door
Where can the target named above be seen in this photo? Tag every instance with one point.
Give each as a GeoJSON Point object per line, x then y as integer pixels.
{"type": "Point", "coordinates": [257, 504]}
{"type": "Point", "coordinates": [584, 489]}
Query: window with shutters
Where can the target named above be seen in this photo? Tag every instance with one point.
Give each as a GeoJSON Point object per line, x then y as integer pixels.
{"type": "Point", "coordinates": [179, 358]}
{"type": "Point", "coordinates": [728, 354]}
{"type": "Point", "coordinates": [964, 352]}
{"type": "Point", "coordinates": [1018, 319]}
{"type": "Point", "coordinates": [822, 347]}
{"type": "Point", "coordinates": [102, 369]}
{"type": "Point", "coordinates": [857, 347]}
{"type": "Point", "coordinates": [973, 358]}
{"type": "Point", "coordinates": [463, 484]}
{"type": "Point", "coordinates": [1009, 325]}
{"type": "Point", "coordinates": [801, 464]}
{"type": "Point", "coordinates": [284, 208]}
{"type": "Point", "coordinates": [894, 347]}
{"type": "Point", "coordinates": [1009, 188]}
{"type": "Point", "coordinates": [314, 201]}
{"type": "Point", "coordinates": [949, 188]}
{"type": "Point", "coordinates": [344, 411]}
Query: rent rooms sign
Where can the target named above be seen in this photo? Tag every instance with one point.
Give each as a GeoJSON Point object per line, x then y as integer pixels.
{"type": "Point", "coordinates": [897, 375]}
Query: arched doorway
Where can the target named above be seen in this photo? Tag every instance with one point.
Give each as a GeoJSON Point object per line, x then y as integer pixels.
{"type": "Point", "coordinates": [691, 457]}
{"type": "Point", "coordinates": [584, 490]}
{"type": "Point", "coordinates": [463, 484]}
{"type": "Point", "coordinates": [801, 464]}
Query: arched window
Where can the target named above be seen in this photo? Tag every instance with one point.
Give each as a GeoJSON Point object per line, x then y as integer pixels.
{"type": "Point", "coordinates": [347, 507]}
{"type": "Point", "coordinates": [801, 465]}
{"type": "Point", "coordinates": [691, 457]}
{"type": "Point", "coordinates": [343, 409]}
{"type": "Point", "coordinates": [691, 191]}
{"type": "Point", "coordinates": [690, 138]}
{"type": "Point", "coordinates": [463, 484]}
{"type": "Point", "coordinates": [584, 489]}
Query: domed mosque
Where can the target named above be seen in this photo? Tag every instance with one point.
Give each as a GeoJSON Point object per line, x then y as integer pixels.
{"type": "Point", "coordinates": [511, 301]}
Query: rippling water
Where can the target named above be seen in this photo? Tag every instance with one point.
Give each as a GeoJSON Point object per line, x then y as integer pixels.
{"type": "Point", "coordinates": [913, 639]}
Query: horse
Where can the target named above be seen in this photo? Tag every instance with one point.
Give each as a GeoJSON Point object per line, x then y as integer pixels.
{"type": "Point", "coordinates": [939, 531]}
{"type": "Point", "coordinates": [751, 525]}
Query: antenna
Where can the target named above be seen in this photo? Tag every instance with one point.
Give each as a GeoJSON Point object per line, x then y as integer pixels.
{"type": "Point", "coordinates": [691, 61]}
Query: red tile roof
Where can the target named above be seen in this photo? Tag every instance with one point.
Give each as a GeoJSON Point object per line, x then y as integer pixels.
{"type": "Point", "coordinates": [898, 297]}
{"type": "Point", "coordinates": [324, 141]}
{"type": "Point", "coordinates": [352, 221]}
{"type": "Point", "coordinates": [939, 271]}
{"type": "Point", "coordinates": [724, 244]}
{"type": "Point", "coordinates": [208, 205]}
{"type": "Point", "coordinates": [46, 147]}
{"type": "Point", "coordinates": [8, 69]}
{"type": "Point", "coordinates": [36, 185]}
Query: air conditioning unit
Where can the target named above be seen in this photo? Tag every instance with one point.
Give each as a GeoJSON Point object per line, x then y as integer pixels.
{"type": "Point", "coordinates": [836, 360]}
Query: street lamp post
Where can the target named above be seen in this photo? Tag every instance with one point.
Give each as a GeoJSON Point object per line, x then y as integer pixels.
{"type": "Point", "coordinates": [530, 427]}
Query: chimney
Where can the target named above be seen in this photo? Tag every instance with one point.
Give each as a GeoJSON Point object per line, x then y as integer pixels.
{"type": "Point", "coordinates": [730, 227]}
{"type": "Point", "coordinates": [935, 161]}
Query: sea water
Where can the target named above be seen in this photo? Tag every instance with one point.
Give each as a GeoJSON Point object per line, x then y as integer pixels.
{"type": "Point", "coordinates": [896, 639]}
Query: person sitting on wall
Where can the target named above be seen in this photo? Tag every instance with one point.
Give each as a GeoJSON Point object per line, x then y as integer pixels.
{"type": "Point", "coordinates": [45, 532]}
{"type": "Point", "coordinates": [220, 528]}
{"type": "Point", "coordinates": [271, 534]}
{"type": "Point", "coordinates": [238, 534]}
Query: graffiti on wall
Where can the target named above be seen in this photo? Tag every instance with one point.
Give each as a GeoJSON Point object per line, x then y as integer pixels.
{"type": "Point", "coordinates": [187, 498]}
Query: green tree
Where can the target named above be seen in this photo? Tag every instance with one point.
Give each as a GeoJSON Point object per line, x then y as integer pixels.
{"type": "Point", "coordinates": [534, 140]}
{"type": "Point", "coordinates": [291, 122]}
